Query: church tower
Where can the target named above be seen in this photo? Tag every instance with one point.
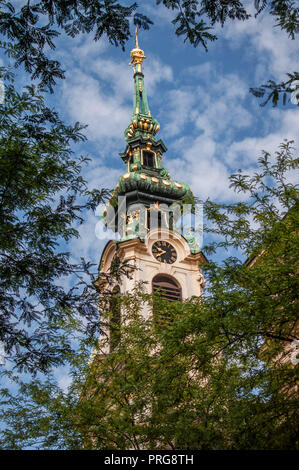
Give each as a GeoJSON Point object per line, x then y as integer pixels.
{"type": "Point", "coordinates": [146, 207]}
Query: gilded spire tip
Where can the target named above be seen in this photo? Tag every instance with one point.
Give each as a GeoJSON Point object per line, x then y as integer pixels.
{"type": "Point", "coordinates": [137, 54]}
{"type": "Point", "coordinates": [136, 37]}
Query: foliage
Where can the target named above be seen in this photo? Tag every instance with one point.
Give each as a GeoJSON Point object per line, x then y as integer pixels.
{"type": "Point", "coordinates": [31, 30]}
{"type": "Point", "coordinates": [286, 15]}
{"type": "Point", "coordinates": [30, 37]}
{"type": "Point", "coordinates": [42, 197]}
{"type": "Point", "coordinates": [274, 91]}
{"type": "Point", "coordinates": [205, 369]}
{"type": "Point", "coordinates": [218, 367]}
{"type": "Point", "coordinates": [41, 414]}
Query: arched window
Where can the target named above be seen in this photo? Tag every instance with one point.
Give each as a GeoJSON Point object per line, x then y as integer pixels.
{"type": "Point", "coordinates": [115, 319]}
{"type": "Point", "coordinates": [169, 288]}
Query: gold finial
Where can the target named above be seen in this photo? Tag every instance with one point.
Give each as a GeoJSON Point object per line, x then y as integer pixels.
{"type": "Point", "coordinates": [136, 37]}
{"type": "Point", "coordinates": [137, 54]}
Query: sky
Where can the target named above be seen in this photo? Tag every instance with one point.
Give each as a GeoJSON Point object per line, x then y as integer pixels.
{"type": "Point", "coordinates": [210, 123]}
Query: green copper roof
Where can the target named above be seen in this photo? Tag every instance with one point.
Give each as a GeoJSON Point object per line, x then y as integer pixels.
{"type": "Point", "coordinates": [154, 185]}
{"type": "Point", "coordinates": [142, 123]}
{"type": "Point", "coordinates": [146, 181]}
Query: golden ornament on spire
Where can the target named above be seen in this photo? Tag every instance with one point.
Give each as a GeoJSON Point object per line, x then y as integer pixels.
{"type": "Point", "coordinates": [137, 54]}
{"type": "Point", "coordinates": [136, 37]}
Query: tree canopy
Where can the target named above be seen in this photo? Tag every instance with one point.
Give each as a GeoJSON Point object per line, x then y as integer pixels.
{"type": "Point", "coordinates": [42, 196]}
{"type": "Point", "coordinates": [30, 31]}
{"type": "Point", "coordinates": [194, 380]}
{"type": "Point", "coordinates": [218, 366]}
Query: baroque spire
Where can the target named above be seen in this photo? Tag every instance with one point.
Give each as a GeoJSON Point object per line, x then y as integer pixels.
{"type": "Point", "coordinates": [146, 181]}
{"type": "Point", "coordinates": [142, 123]}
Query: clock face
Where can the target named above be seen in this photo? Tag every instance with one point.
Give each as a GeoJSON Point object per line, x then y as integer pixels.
{"type": "Point", "coordinates": [164, 252]}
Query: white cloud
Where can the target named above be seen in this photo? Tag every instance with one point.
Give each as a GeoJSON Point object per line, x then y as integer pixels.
{"type": "Point", "coordinates": [207, 161]}
{"type": "Point", "coordinates": [205, 124]}
{"type": "Point", "coordinates": [99, 92]}
{"type": "Point", "coordinates": [159, 13]}
{"type": "Point", "coordinates": [88, 245]}
{"type": "Point", "coordinates": [213, 128]}
{"type": "Point", "coordinates": [178, 105]}
{"type": "Point", "coordinates": [86, 102]}
{"type": "Point", "coordinates": [212, 147]}
{"type": "Point", "coordinates": [221, 109]}
{"type": "Point", "coordinates": [275, 53]}
{"type": "Point", "coordinates": [63, 378]}
{"type": "Point", "coordinates": [199, 166]}
{"type": "Point", "coordinates": [99, 176]}
{"type": "Point", "coordinates": [284, 124]}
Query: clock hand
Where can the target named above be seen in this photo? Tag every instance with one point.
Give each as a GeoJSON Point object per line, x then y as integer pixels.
{"type": "Point", "coordinates": [162, 253]}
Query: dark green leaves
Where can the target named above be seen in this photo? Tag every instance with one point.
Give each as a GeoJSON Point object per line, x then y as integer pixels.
{"type": "Point", "coordinates": [29, 37]}
{"type": "Point", "coordinates": [194, 32]}
{"type": "Point", "coordinates": [142, 21]}
{"type": "Point", "coordinates": [275, 91]}
{"type": "Point", "coordinates": [42, 198]}
{"type": "Point", "coordinates": [286, 14]}
{"type": "Point", "coordinates": [221, 11]}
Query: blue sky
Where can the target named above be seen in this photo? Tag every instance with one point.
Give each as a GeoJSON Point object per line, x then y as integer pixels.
{"type": "Point", "coordinates": [210, 122]}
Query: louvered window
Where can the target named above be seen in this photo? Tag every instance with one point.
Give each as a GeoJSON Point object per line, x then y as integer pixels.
{"type": "Point", "coordinates": [168, 287]}
{"type": "Point", "coordinates": [154, 219]}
